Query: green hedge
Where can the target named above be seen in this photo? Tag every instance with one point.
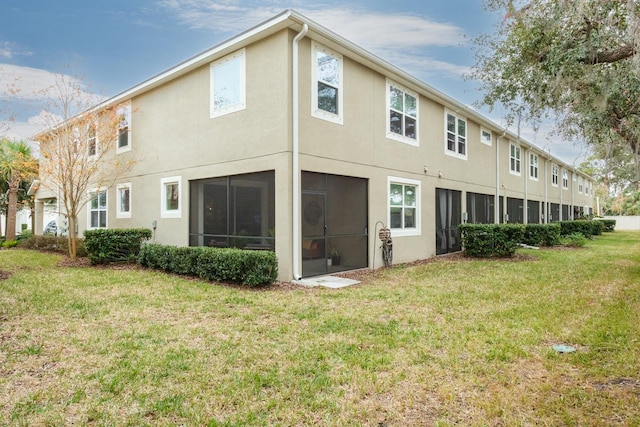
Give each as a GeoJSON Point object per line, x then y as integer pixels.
{"type": "Point", "coordinates": [588, 228]}
{"type": "Point", "coordinates": [252, 268]}
{"type": "Point", "coordinates": [491, 240]}
{"type": "Point", "coordinates": [114, 245]}
{"type": "Point", "coordinates": [51, 243]}
{"type": "Point", "coordinates": [542, 234]}
{"type": "Point", "coordinates": [608, 225]}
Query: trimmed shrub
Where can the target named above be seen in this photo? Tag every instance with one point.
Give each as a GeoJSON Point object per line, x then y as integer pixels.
{"type": "Point", "coordinates": [115, 245]}
{"type": "Point", "coordinates": [574, 240]}
{"type": "Point", "coordinates": [608, 225]}
{"type": "Point", "coordinates": [491, 240]}
{"type": "Point", "coordinates": [542, 234]}
{"type": "Point", "coordinates": [588, 228]}
{"type": "Point", "coordinates": [597, 227]}
{"type": "Point", "coordinates": [252, 268]}
{"type": "Point", "coordinates": [50, 243]}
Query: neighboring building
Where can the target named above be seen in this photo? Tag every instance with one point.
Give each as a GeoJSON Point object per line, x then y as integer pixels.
{"type": "Point", "coordinates": [290, 137]}
{"type": "Point", "coordinates": [23, 221]}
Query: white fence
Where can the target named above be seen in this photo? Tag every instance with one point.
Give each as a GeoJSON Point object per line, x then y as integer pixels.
{"type": "Point", "coordinates": [626, 222]}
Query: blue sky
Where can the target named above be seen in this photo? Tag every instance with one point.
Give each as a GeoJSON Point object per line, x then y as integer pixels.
{"type": "Point", "coordinates": [117, 44]}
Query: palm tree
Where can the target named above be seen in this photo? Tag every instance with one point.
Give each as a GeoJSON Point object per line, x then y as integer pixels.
{"type": "Point", "coordinates": [16, 166]}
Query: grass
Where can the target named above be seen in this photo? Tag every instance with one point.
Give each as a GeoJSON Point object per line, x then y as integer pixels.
{"type": "Point", "coordinates": [449, 342]}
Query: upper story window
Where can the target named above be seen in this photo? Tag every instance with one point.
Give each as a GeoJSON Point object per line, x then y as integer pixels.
{"type": "Point", "coordinates": [327, 84]}
{"type": "Point", "coordinates": [171, 197]}
{"type": "Point", "coordinates": [456, 138]}
{"type": "Point", "coordinates": [402, 119]}
{"type": "Point", "coordinates": [565, 179]}
{"type": "Point", "coordinates": [228, 84]}
{"type": "Point", "coordinates": [580, 184]}
{"type": "Point", "coordinates": [92, 141]}
{"type": "Point", "coordinates": [485, 136]}
{"type": "Point", "coordinates": [124, 129]}
{"type": "Point", "coordinates": [514, 159]}
{"type": "Point", "coordinates": [404, 206]}
{"type": "Point", "coordinates": [554, 175]}
{"type": "Point", "coordinates": [533, 166]}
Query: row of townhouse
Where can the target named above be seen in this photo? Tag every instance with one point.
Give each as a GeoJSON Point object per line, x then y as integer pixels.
{"type": "Point", "coordinates": [291, 138]}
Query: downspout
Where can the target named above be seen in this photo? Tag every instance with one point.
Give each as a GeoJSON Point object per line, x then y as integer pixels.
{"type": "Point", "coordinates": [496, 205]}
{"type": "Point", "coordinates": [526, 176]}
{"type": "Point", "coordinates": [546, 192]}
{"type": "Point", "coordinates": [571, 207]}
{"type": "Point", "coordinates": [295, 155]}
{"type": "Point", "coordinates": [562, 170]}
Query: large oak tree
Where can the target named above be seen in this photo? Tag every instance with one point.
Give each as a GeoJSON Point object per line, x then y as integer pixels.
{"type": "Point", "coordinates": [576, 61]}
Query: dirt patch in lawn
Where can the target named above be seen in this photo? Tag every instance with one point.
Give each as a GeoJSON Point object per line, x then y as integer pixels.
{"type": "Point", "coordinates": [4, 275]}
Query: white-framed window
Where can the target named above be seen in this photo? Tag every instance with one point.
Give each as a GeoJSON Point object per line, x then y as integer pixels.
{"type": "Point", "coordinates": [486, 137]}
{"type": "Point", "coordinates": [171, 197]}
{"type": "Point", "coordinates": [554, 175]}
{"type": "Point", "coordinates": [403, 206]}
{"type": "Point", "coordinates": [228, 78]}
{"type": "Point", "coordinates": [580, 184]}
{"type": "Point", "coordinates": [514, 158]}
{"type": "Point", "coordinates": [123, 196]}
{"type": "Point", "coordinates": [92, 141]}
{"type": "Point", "coordinates": [326, 93]}
{"type": "Point", "coordinates": [123, 138]}
{"type": "Point", "coordinates": [565, 180]}
{"type": "Point", "coordinates": [533, 166]}
{"type": "Point", "coordinates": [402, 114]}
{"type": "Point", "coordinates": [97, 217]}
{"type": "Point", "coordinates": [455, 143]}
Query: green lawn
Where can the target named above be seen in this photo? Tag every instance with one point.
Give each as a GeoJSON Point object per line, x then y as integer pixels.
{"type": "Point", "coordinates": [449, 342]}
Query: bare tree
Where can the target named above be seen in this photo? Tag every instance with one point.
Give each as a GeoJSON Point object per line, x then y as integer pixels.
{"type": "Point", "coordinates": [77, 151]}
{"type": "Point", "coordinates": [8, 91]}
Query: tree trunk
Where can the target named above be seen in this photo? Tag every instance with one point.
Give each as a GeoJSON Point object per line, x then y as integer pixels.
{"type": "Point", "coordinates": [72, 238]}
{"type": "Point", "coordinates": [11, 214]}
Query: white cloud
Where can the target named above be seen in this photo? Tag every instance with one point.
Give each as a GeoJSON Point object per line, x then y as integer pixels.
{"type": "Point", "coordinates": [24, 130]}
{"type": "Point", "coordinates": [9, 51]}
{"type": "Point", "coordinates": [28, 92]}
{"type": "Point", "coordinates": [32, 84]}
{"type": "Point", "coordinates": [401, 31]}
{"type": "Point", "coordinates": [24, 83]}
{"type": "Point", "coordinates": [402, 42]}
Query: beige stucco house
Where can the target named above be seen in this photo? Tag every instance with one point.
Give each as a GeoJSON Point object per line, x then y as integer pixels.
{"type": "Point", "coordinates": [291, 138]}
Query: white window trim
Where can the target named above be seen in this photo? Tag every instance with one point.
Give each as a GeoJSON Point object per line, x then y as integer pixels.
{"type": "Point", "coordinates": [175, 213]}
{"type": "Point", "coordinates": [511, 171]}
{"type": "Point", "coordinates": [580, 185]}
{"type": "Point", "coordinates": [393, 135]}
{"type": "Point", "coordinates": [90, 193]}
{"type": "Point", "coordinates": [535, 165]}
{"type": "Point", "coordinates": [403, 232]}
{"type": "Point", "coordinates": [217, 112]}
{"type": "Point", "coordinates": [315, 111]}
{"type": "Point", "coordinates": [557, 175]}
{"type": "Point", "coordinates": [119, 213]}
{"type": "Point", "coordinates": [565, 178]}
{"type": "Point", "coordinates": [490, 142]}
{"type": "Point", "coordinates": [448, 152]}
{"type": "Point", "coordinates": [126, 111]}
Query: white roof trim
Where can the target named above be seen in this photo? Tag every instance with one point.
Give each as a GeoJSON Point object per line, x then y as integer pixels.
{"type": "Point", "coordinates": [292, 19]}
